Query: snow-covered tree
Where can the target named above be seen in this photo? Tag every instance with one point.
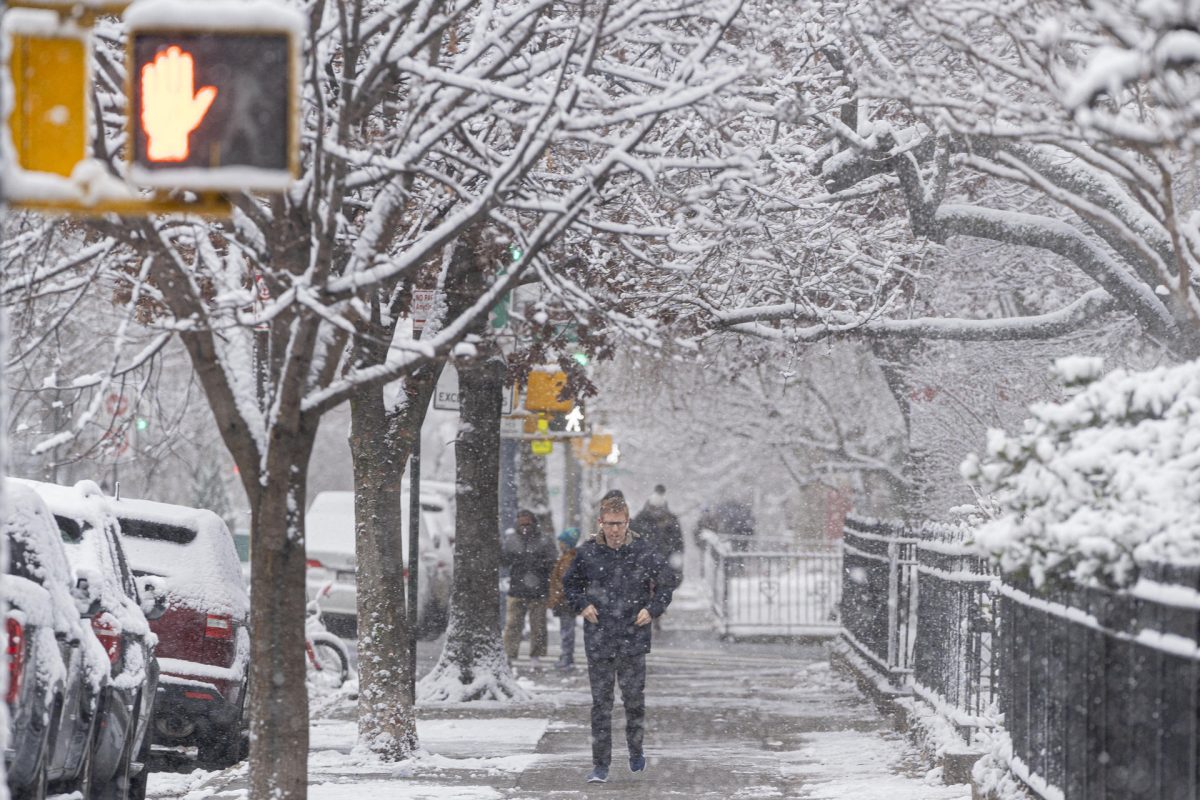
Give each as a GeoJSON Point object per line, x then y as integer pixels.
{"type": "Point", "coordinates": [421, 122]}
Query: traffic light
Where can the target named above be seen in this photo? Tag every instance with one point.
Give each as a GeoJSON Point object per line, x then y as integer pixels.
{"type": "Point", "coordinates": [542, 391]}
{"type": "Point", "coordinates": [141, 423]}
{"type": "Point", "coordinates": [48, 65]}
{"type": "Point", "coordinates": [213, 101]}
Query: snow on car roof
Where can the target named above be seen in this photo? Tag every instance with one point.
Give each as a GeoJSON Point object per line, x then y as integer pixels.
{"type": "Point", "coordinates": [329, 523]}
{"type": "Point", "coordinates": [86, 504]}
{"type": "Point", "coordinates": [28, 521]}
{"type": "Point", "coordinates": [190, 547]}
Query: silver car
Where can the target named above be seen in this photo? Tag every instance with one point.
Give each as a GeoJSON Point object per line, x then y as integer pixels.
{"type": "Point", "coordinates": [329, 547]}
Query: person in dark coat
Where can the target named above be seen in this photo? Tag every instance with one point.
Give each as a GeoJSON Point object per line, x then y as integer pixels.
{"type": "Point", "coordinates": [529, 557]}
{"type": "Point", "coordinates": [618, 584]}
{"type": "Point", "coordinates": [657, 525]}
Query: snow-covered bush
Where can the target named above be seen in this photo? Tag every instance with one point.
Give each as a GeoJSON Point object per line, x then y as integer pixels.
{"type": "Point", "coordinates": [1100, 483]}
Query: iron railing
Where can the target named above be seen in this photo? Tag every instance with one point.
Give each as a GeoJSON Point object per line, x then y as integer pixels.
{"type": "Point", "coordinates": [1098, 691]}
{"type": "Point", "coordinates": [879, 597]}
{"type": "Point", "coordinates": [1101, 690]}
{"type": "Point", "coordinates": [760, 586]}
{"type": "Point", "coordinates": [953, 665]}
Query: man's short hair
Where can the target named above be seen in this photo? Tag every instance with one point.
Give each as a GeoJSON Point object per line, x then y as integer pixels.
{"type": "Point", "coordinates": [613, 505]}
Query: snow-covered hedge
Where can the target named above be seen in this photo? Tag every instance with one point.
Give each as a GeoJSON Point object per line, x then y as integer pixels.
{"type": "Point", "coordinates": [1100, 483]}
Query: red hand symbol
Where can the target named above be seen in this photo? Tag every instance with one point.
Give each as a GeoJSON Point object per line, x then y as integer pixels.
{"type": "Point", "coordinates": [170, 109]}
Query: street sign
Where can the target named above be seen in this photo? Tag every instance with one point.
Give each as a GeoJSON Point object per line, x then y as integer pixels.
{"type": "Point", "coordinates": [48, 63]}
{"type": "Point", "coordinates": [213, 95]}
{"type": "Point", "coordinates": [445, 394]}
{"type": "Point", "coordinates": [423, 301]}
{"type": "Point", "coordinates": [512, 427]}
{"type": "Point", "coordinates": [116, 404]}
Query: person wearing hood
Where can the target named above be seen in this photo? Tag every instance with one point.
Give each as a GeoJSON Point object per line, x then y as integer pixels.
{"type": "Point", "coordinates": [618, 584]}
{"type": "Point", "coordinates": [529, 556]}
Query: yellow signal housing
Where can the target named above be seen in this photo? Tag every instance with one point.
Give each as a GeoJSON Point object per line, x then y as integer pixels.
{"type": "Point", "coordinates": [543, 390]}
{"type": "Point", "coordinates": [49, 118]}
{"type": "Point", "coordinates": [600, 445]}
{"type": "Point", "coordinates": [542, 447]}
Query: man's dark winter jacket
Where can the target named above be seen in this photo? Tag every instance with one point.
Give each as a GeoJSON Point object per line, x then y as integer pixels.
{"type": "Point", "coordinates": [619, 583]}
{"type": "Point", "coordinates": [529, 558]}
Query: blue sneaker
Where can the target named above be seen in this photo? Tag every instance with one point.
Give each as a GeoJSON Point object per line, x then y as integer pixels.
{"type": "Point", "coordinates": [637, 763]}
{"type": "Point", "coordinates": [598, 775]}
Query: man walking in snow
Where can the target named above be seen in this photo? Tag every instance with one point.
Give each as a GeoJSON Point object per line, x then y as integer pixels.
{"type": "Point", "coordinates": [618, 584]}
{"type": "Point", "coordinates": [529, 557]}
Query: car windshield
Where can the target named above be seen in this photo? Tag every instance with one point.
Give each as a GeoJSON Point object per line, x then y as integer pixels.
{"type": "Point", "coordinates": [159, 531]}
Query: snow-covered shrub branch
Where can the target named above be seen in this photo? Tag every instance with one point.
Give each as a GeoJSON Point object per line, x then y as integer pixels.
{"type": "Point", "coordinates": [1100, 483]}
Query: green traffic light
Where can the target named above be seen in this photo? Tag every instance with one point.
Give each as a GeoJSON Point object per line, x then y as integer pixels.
{"type": "Point", "coordinates": [515, 252]}
{"type": "Point", "coordinates": [581, 359]}
{"type": "Point", "coordinates": [141, 423]}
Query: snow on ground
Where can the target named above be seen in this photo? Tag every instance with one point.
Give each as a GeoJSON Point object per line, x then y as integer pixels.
{"type": "Point", "coordinates": [840, 765]}
{"type": "Point", "coordinates": [387, 790]}
{"type": "Point", "coordinates": [741, 721]}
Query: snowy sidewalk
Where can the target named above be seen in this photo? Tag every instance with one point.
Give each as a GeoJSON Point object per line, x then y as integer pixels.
{"type": "Point", "coordinates": [723, 721]}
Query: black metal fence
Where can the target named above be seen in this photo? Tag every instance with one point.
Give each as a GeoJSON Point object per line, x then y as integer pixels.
{"type": "Point", "coordinates": [953, 664]}
{"type": "Point", "coordinates": [878, 595]}
{"type": "Point", "coordinates": [1098, 691]}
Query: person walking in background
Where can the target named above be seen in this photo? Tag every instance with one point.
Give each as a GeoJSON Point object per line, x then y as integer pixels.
{"type": "Point", "coordinates": [660, 527]}
{"type": "Point", "coordinates": [618, 584]}
{"type": "Point", "coordinates": [529, 557]}
{"type": "Point", "coordinates": [557, 600]}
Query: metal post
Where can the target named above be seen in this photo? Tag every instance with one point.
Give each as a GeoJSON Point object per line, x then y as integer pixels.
{"type": "Point", "coordinates": [572, 489]}
{"type": "Point", "coordinates": [414, 535]}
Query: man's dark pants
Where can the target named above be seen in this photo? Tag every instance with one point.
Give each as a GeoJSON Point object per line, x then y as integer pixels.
{"type": "Point", "coordinates": [630, 674]}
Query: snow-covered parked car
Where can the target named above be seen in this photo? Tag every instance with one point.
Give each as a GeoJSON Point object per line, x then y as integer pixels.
{"type": "Point", "coordinates": [203, 636]}
{"type": "Point", "coordinates": [56, 665]}
{"type": "Point", "coordinates": [118, 618]}
{"type": "Point", "coordinates": [330, 553]}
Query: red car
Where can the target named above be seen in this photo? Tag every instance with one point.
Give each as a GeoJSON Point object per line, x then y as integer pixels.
{"type": "Point", "coordinates": [187, 556]}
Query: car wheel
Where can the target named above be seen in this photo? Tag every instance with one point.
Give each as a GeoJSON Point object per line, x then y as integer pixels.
{"type": "Point", "coordinates": [117, 788]}
{"type": "Point", "coordinates": [221, 748]}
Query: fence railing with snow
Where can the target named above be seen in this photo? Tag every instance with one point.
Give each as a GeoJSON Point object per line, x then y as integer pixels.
{"type": "Point", "coordinates": [762, 586]}
{"type": "Point", "coordinates": [1098, 690]}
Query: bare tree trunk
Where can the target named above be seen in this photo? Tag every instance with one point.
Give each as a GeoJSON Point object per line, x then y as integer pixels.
{"type": "Point", "coordinates": [278, 702]}
{"type": "Point", "coordinates": [533, 492]}
{"type": "Point", "coordinates": [908, 496]}
{"type": "Point", "coordinates": [380, 443]}
{"type": "Point", "coordinates": [472, 665]}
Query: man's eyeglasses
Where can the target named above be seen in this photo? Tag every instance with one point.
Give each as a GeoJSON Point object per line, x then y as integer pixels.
{"type": "Point", "coordinates": [620, 524]}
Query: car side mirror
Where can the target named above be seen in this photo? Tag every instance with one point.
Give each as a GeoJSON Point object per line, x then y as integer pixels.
{"type": "Point", "coordinates": [154, 596]}
{"type": "Point", "coordinates": [86, 593]}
